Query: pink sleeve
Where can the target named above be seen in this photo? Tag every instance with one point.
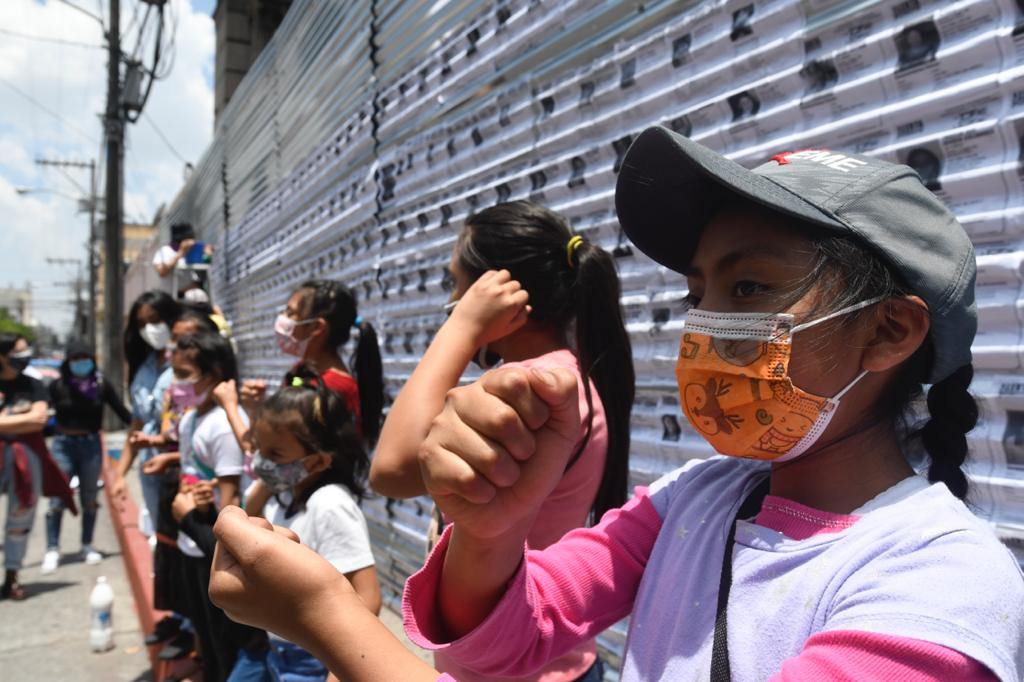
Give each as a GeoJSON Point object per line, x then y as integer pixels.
{"type": "Point", "coordinates": [560, 596]}
{"type": "Point", "coordinates": [856, 655]}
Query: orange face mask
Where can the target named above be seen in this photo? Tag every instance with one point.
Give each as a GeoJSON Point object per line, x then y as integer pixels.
{"type": "Point", "coordinates": [734, 384]}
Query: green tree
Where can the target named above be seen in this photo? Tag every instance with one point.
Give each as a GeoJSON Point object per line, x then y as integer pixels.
{"type": "Point", "coordinates": [9, 325]}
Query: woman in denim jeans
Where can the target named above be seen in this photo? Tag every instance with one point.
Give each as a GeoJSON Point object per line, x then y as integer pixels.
{"type": "Point", "coordinates": [78, 398]}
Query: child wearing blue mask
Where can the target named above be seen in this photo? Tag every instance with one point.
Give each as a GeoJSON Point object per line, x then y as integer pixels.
{"type": "Point", "coordinates": [312, 466]}
{"type": "Point", "coordinates": [78, 398]}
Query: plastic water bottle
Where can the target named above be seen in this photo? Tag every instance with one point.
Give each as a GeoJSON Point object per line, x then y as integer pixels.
{"type": "Point", "coordinates": [101, 629]}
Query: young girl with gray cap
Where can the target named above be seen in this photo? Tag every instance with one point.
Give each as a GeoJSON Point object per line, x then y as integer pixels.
{"type": "Point", "coordinates": [827, 290]}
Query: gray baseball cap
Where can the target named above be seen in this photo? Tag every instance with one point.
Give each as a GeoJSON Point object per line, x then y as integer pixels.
{"type": "Point", "coordinates": [669, 188]}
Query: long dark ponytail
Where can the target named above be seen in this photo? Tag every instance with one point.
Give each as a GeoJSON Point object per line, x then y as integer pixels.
{"type": "Point", "coordinates": [336, 305]}
{"type": "Point", "coordinates": [569, 280]}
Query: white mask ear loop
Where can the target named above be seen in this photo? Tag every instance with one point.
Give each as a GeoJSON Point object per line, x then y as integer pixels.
{"type": "Point", "coordinates": [844, 311]}
{"type": "Point", "coordinates": [838, 396]}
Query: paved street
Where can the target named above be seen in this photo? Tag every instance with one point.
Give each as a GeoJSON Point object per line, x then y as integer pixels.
{"type": "Point", "coordinates": [46, 637]}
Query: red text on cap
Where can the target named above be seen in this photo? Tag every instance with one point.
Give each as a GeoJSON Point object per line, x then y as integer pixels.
{"type": "Point", "coordinates": [839, 162]}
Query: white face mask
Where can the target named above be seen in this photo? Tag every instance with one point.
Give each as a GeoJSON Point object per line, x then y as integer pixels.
{"type": "Point", "coordinates": [284, 332]}
{"type": "Point", "coordinates": [157, 335]}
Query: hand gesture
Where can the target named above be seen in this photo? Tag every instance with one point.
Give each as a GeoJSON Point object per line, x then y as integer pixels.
{"type": "Point", "coordinates": [499, 448]}
{"type": "Point", "coordinates": [225, 394]}
{"type": "Point", "coordinates": [158, 464]}
{"type": "Point", "coordinates": [494, 307]}
{"type": "Point", "coordinates": [252, 393]}
{"type": "Point", "coordinates": [118, 489]}
{"type": "Point", "coordinates": [185, 245]}
{"type": "Point", "coordinates": [263, 577]}
{"type": "Point", "coordinates": [202, 494]}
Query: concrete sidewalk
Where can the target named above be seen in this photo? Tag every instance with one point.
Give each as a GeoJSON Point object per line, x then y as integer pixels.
{"type": "Point", "coordinates": [46, 637]}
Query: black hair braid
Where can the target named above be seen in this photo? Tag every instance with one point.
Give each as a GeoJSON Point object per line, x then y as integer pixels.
{"type": "Point", "coordinates": [953, 412]}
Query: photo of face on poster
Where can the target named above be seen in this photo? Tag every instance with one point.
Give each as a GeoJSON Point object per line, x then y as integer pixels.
{"type": "Point", "coordinates": [744, 105]}
{"type": "Point", "coordinates": [818, 75]}
{"type": "Point", "coordinates": [917, 44]}
{"type": "Point", "coordinates": [670, 429]}
{"type": "Point", "coordinates": [1013, 439]}
{"type": "Point", "coordinates": [928, 165]}
{"type": "Point", "coordinates": [681, 50]}
{"type": "Point", "coordinates": [741, 20]}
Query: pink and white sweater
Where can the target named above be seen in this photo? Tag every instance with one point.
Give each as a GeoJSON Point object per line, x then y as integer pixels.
{"type": "Point", "coordinates": [913, 588]}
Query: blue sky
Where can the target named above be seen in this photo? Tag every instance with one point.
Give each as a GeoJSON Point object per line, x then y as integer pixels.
{"type": "Point", "coordinates": [52, 96]}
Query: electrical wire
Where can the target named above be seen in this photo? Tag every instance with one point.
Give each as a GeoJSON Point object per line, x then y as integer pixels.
{"type": "Point", "coordinates": [47, 39]}
{"type": "Point", "coordinates": [47, 110]}
{"type": "Point", "coordinates": [83, 11]}
{"type": "Point", "coordinates": [164, 138]}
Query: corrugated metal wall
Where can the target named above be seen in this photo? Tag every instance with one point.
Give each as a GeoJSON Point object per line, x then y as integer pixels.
{"type": "Point", "coordinates": [368, 130]}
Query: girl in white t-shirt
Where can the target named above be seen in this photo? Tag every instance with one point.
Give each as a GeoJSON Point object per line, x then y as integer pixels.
{"type": "Point", "coordinates": [312, 471]}
{"type": "Point", "coordinates": [211, 477]}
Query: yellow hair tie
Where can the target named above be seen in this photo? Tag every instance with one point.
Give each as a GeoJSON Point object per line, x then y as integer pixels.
{"type": "Point", "coordinates": [317, 413]}
{"type": "Point", "coordinates": [570, 248]}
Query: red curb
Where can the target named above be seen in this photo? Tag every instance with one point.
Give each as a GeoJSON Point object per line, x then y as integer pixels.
{"type": "Point", "coordinates": [138, 563]}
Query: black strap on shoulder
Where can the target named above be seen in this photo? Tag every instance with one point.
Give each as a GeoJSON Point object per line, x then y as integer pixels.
{"type": "Point", "coordinates": [720, 648]}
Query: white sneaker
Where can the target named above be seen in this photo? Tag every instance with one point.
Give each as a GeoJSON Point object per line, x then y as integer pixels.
{"type": "Point", "coordinates": [92, 557]}
{"type": "Point", "coordinates": [50, 561]}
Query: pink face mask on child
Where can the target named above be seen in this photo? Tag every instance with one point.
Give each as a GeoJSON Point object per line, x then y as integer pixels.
{"type": "Point", "coordinates": [183, 394]}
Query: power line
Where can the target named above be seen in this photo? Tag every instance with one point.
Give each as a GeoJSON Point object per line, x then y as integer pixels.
{"type": "Point", "coordinates": [164, 138]}
{"type": "Point", "coordinates": [47, 39]}
{"type": "Point", "coordinates": [83, 11]}
{"type": "Point", "coordinates": [47, 110]}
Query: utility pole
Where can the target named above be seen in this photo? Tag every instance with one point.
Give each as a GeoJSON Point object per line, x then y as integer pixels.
{"type": "Point", "coordinates": [92, 261]}
{"type": "Point", "coordinates": [80, 327]}
{"type": "Point", "coordinates": [113, 290]}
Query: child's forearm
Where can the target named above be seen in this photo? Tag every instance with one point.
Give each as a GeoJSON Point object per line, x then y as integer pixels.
{"type": "Point", "coordinates": [475, 575]}
{"type": "Point", "coordinates": [394, 470]}
{"type": "Point", "coordinates": [256, 499]}
{"type": "Point", "coordinates": [355, 645]}
{"type": "Point", "coordinates": [238, 426]}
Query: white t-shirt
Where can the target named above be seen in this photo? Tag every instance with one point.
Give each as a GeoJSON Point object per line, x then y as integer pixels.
{"type": "Point", "coordinates": [164, 255]}
{"type": "Point", "coordinates": [332, 525]}
{"type": "Point", "coordinates": [209, 450]}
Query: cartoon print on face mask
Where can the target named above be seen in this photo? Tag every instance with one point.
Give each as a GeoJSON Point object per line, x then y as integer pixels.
{"type": "Point", "coordinates": [785, 433]}
{"type": "Point", "coordinates": [739, 352]}
{"type": "Point", "coordinates": [708, 415]}
{"type": "Point", "coordinates": [787, 430]}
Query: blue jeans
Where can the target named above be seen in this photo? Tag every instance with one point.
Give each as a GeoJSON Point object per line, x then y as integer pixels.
{"type": "Point", "coordinates": [150, 486]}
{"type": "Point", "coordinates": [19, 519]}
{"type": "Point", "coordinates": [290, 663]}
{"type": "Point", "coordinates": [79, 456]}
{"type": "Point", "coordinates": [250, 668]}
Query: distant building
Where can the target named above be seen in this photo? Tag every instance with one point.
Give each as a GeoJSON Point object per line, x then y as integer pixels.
{"type": "Point", "coordinates": [244, 27]}
{"type": "Point", "coordinates": [137, 238]}
{"type": "Point", "coordinates": [18, 303]}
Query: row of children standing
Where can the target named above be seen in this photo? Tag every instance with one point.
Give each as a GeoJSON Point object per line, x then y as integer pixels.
{"type": "Point", "coordinates": [829, 538]}
{"type": "Point", "coordinates": [302, 460]}
{"type": "Point", "coordinates": [205, 440]}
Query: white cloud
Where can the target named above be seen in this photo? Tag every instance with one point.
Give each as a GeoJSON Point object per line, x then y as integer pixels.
{"type": "Point", "coordinates": [70, 81]}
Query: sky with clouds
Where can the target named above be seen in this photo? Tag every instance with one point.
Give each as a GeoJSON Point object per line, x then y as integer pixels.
{"type": "Point", "coordinates": [52, 96]}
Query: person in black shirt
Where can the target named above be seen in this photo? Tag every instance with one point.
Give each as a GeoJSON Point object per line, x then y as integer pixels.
{"type": "Point", "coordinates": [78, 398]}
{"type": "Point", "coordinates": [23, 414]}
